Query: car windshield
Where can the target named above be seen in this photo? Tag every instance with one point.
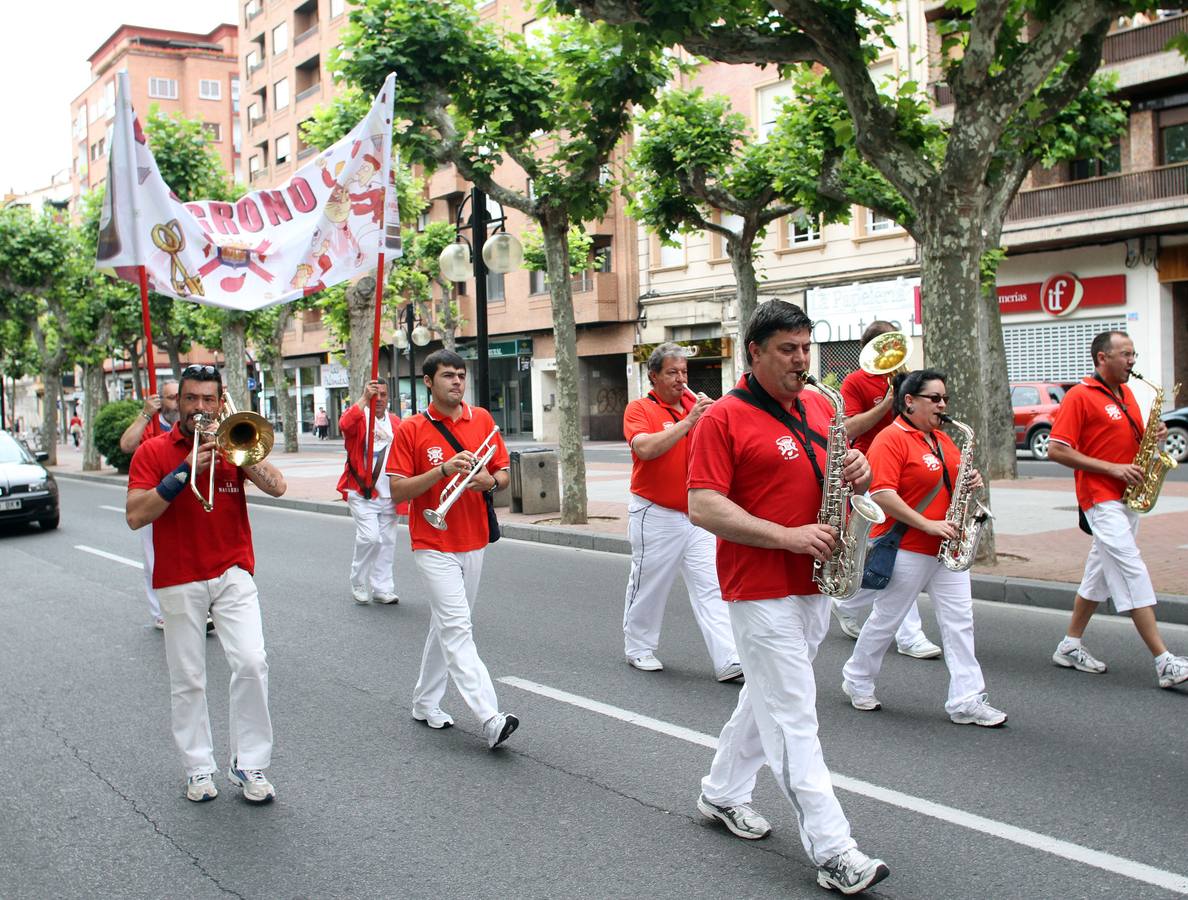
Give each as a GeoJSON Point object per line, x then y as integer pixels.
{"type": "Point", "coordinates": [11, 451]}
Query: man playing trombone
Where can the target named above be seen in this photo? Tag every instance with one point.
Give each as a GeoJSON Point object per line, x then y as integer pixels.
{"type": "Point", "coordinates": [433, 467]}
{"type": "Point", "coordinates": [204, 565]}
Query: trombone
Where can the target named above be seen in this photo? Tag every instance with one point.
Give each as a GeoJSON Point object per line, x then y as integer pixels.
{"type": "Point", "coordinates": [886, 354]}
{"type": "Point", "coordinates": [241, 438]}
{"type": "Point", "coordinates": [456, 485]}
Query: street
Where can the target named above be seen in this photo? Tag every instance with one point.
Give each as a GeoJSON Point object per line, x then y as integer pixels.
{"type": "Point", "coordinates": [594, 796]}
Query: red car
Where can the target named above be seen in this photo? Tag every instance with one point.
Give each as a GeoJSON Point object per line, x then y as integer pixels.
{"type": "Point", "coordinates": [1034, 404]}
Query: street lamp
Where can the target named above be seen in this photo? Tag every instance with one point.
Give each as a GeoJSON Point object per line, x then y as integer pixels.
{"type": "Point", "coordinates": [412, 333]}
{"type": "Point", "coordinates": [500, 255]}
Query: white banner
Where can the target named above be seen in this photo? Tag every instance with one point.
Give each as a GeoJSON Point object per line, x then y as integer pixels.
{"type": "Point", "coordinates": [323, 226]}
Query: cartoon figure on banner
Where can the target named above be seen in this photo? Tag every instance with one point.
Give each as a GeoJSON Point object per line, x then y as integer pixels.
{"type": "Point", "coordinates": [236, 255]}
{"type": "Point", "coordinates": [169, 238]}
{"type": "Point", "coordinates": [302, 278]}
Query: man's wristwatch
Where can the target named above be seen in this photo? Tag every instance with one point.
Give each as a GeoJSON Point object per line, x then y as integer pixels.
{"type": "Point", "coordinates": [146, 416]}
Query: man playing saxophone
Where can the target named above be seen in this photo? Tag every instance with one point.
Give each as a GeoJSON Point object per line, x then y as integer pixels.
{"type": "Point", "coordinates": [1097, 432]}
{"type": "Point", "coordinates": [915, 467]}
{"type": "Point", "coordinates": [755, 475]}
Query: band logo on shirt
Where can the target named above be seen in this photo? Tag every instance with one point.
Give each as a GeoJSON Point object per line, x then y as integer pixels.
{"type": "Point", "coordinates": [787, 447]}
{"type": "Point", "coordinates": [228, 487]}
{"type": "Point", "coordinates": [931, 462]}
{"type": "Point", "coordinates": [436, 457]}
{"type": "Point", "coordinates": [1112, 411]}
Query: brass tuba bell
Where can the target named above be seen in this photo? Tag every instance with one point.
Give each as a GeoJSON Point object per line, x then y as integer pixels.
{"type": "Point", "coordinates": [886, 354]}
{"type": "Point", "coordinates": [241, 438]}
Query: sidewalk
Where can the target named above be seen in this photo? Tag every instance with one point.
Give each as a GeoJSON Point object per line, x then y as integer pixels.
{"type": "Point", "coordinates": [1041, 552]}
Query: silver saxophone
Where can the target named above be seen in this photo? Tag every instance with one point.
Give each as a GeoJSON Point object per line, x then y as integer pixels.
{"type": "Point", "coordinates": [966, 512]}
{"type": "Point", "coordinates": [853, 515]}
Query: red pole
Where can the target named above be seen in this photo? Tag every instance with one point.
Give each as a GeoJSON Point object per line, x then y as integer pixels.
{"type": "Point", "coordinates": [148, 332]}
{"type": "Point", "coordinates": [375, 344]}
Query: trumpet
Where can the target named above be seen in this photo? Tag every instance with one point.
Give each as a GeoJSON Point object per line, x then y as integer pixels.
{"type": "Point", "coordinates": [241, 438]}
{"type": "Point", "coordinates": [456, 485]}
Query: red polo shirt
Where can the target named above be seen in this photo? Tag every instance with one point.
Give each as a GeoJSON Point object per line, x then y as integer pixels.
{"type": "Point", "coordinates": [190, 544]}
{"type": "Point", "coordinates": [1094, 422]}
{"type": "Point", "coordinates": [663, 479]}
{"type": "Point", "coordinates": [751, 458]}
{"type": "Point", "coordinates": [902, 460]}
{"type": "Point", "coordinates": [154, 428]}
{"type": "Point", "coordinates": [861, 392]}
{"type": "Point", "coordinates": [420, 447]}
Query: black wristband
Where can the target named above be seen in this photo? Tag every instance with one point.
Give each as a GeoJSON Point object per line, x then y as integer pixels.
{"type": "Point", "coordinates": [174, 483]}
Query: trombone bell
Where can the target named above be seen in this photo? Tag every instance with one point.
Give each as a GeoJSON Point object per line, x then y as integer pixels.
{"type": "Point", "coordinates": [241, 438]}
{"type": "Point", "coordinates": [885, 354]}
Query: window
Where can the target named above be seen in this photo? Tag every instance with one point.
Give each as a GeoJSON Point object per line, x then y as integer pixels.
{"type": "Point", "coordinates": [234, 95]}
{"type": "Point", "coordinates": [109, 97]}
{"type": "Point", "coordinates": [254, 113]}
{"type": "Point", "coordinates": [1174, 142]}
{"type": "Point", "coordinates": [802, 230]}
{"type": "Point", "coordinates": [538, 282]}
{"type": "Point", "coordinates": [236, 135]}
{"type": "Point", "coordinates": [671, 257]}
{"type": "Point", "coordinates": [280, 39]}
{"type": "Point", "coordinates": [254, 164]}
{"type": "Point", "coordinates": [280, 94]}
{"type": "Point", "coordinates": [878, 224]}
{"type": "Point", "coordinates": [336, 8]}
{"type": "Point", "coordinates": [251, 9]}
{"type": "Point", "coordinates": [213, 131]}
{"type": "Point", "coordinates": [536, 33]}
{"type": "Point", "coordinates": [717, 241]}
{"type": "Point", "coordinates": [97, 150]}
{"type": "Point", "coordinates": [252, 60]}
{"type": "Point", "coordinates": [282, 149]}
{"type": "Point", "coordinates": [883, 73]}
{"type": "Point", "coordinates": [1052, 352]}
{"type": "Point", "coordinates": [163, 88]}
{"type": "Point", "coordinates": [1109, 163]}
{"type": "Point", "coordinates": [495, 293]}
{"type": "Point", "coordinates": [769, 99]}
{"type": "Point", "coordinates": [1024, 395]}
{"type": "Point", "coordinates": [210, 89]}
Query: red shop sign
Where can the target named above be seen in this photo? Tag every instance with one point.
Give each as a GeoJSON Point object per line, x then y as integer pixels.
{"type": "Point", "coordinates": [1060, 294]}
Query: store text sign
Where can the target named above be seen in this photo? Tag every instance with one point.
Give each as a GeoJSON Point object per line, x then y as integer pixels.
{"type": "Point", "coordinates": [1060, 294]}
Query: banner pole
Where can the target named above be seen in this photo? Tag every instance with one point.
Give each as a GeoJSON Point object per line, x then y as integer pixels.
{"type": "Point", "coordinates": [375, 344]}
{"type": "Point", "coordinates": [148, 331]}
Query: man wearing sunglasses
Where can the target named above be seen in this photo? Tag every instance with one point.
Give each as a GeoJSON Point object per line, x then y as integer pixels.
{"type": "Point", "coordinates": [204, 566]}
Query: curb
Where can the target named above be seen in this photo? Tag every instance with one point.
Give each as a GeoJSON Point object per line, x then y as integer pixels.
{"type": "Point", "coordinates": [997, 588]}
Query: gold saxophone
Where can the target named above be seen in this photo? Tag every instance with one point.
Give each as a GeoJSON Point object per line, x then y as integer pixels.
{"type": "Point", "coordinates": [1154, 462]}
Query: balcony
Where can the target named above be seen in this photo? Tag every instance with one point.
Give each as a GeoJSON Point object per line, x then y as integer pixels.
{"type": "Point", "coordinates": [312, 91]}
{"type": "Point", "coordinates": [1130, 188]}
{"type": "Point", "coordinates": [258, 175]}
{"type": "Point", "coordinates": [1145, 40]}
{"type": "Point", "coordinates": [308, 33]}
{"type": "Point", "coordinates": [253, 124]}
{"type": "Point", "coordinates": [596, 297]}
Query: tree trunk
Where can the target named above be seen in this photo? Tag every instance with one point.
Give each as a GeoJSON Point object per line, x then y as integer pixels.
{"type": "Point", "coordinates": [360, 298]}
{"type": "Point", "coordinates": [280, 380]}
{"type": "Point", "coordinates": [133, 352]}
{"type": "Point", "coordinates": [235, 360]}
{"type": "Point", "coordinates": [742, 263]}
{"type": "Point", "coordinates": [171, 345]}
{"type": "Point", "coordinates": [92, 389]}
{"type": "Point", "coordinates": [52, 379]}
{"type": "Point", "coordinates": [555, 229]}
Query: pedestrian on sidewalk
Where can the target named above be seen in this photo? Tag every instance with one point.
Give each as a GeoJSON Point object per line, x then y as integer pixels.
{"type": "Point", "coordinates": [365, 488]}
{"type": "Point", "coordinates": [157, 417]}
{"type": "Point", "coordinates": [432, 451]}
{"type": "Point", "coordinates": [870, 401]}
{"type": "Point", "coordinates": [204, 566]}
{"type": "Point", "coordinates": [1097, 432]}
{"type": "Point", "coordinates": [76, 428]}
{"type": "Point", "coordinates": [756, 483]}
{"type": "Point", "coordinates": [663, 540]}
{"type": "Point", "coordinates": [914, 468]}
{"type": "Point", "coordinates": [321, 423]}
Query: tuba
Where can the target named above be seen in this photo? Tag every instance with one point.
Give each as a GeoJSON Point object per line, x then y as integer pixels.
{"type": "Point", "coordinates": [966, 512]}
{"type": "Point", "coordinates": [241, 438]}
{"type": "Point", "coordinates": [1154, 462]}
{"type": "Point", "coordinates": [853, 515]}
{"type": "Point", "coordinates": [885, 354]}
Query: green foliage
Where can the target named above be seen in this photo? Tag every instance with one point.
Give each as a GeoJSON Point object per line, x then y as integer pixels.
{"type": "Point", "coordinates": [110, 422]}
{"type": "Point", "coordinates": [581, 246]}
{"type": "Point", "coordinates": [988, 267]}
{"type": "Point", "coordinates": [189, 163]}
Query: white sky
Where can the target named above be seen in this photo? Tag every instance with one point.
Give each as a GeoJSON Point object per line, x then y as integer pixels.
{"type": "Point", "coordinates": [44, 65]}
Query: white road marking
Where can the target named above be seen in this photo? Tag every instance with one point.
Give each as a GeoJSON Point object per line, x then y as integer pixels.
{"type": "Point", "coordinates": [120, 559]}
{"type": "Point", "coordinates": [1118, 865]}
{"type": "Point", "coordinates": [118, 509]}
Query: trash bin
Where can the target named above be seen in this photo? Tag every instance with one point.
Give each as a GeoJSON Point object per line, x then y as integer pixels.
{"type": "Point", "coordinates": [535, 484]}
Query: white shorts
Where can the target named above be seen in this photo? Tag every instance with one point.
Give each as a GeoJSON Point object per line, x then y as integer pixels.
{"type": "Point", "coordinates": [1115, 570]}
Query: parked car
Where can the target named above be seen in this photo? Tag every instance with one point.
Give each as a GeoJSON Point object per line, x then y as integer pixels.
{"type": "Point", "coordinates": [1034, 404]}
{"type": "Point", "coordinates": [1177, 433]}
{"type": "Point", "coordinates": [28, 492]}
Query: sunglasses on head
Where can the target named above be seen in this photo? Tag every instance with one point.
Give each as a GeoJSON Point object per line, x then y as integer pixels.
{"type": "Point", "coordinates": [200, 373]}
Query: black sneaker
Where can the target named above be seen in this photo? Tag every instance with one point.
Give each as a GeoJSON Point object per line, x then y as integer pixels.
{"type": "Point", "coordinates": [851, 872]}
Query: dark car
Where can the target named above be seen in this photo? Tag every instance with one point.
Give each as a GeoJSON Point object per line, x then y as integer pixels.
{"type": "Point", "coordinates": [1177, 433]}
{"type": "Point", "coordinates": [1034, 404]}
{"type": "Point", "coordinates": [28, 492]}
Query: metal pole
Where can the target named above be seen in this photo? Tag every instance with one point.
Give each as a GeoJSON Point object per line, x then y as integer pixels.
{"type": "Point", "coordinates": [412, 371]}
{"type": "Point", "coordinates": [478, 219]}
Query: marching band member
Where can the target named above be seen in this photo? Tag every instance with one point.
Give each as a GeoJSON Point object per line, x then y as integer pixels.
{"type": "Point", "coordinates": [913, 464]}
{"type": "Point", "coordinates": [755, 482]}
{"type": "Point", "coordinates": [1097, 432]}
{"type": "Point", "coordinates": [450, 560]}
{"type": "Point", "coordinates": [204, 565]}
{"type": "Point", "coordinates": [369, 496]}
{"type": "Point", "coordinates": [663, 540]}
{"type": "Point", "coordinates": [870, 402]}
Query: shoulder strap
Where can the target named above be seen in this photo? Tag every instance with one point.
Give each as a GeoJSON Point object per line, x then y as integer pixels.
{"type": "Point", "coordinates": [651, 397]}
{"type": "Point", "coordinates": [760, 399]}
{"type": "Point", "coordinates": [1099, 385]}
{"type": "Point", "coordinates": [901, 527]}
{"type": "Point", "coordinates": [445, 433]}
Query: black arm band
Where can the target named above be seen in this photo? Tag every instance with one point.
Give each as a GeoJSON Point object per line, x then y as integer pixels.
{"type": "Point", "coordinates": [174, 483]}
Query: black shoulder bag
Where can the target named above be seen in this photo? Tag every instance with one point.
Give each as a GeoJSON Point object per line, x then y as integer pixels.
{"type": "Point", "coordinates": [493, 533]}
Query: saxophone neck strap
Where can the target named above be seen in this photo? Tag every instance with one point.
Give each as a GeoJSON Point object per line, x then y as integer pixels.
{"type": "Point", "coordinates": [1105, 388]}
{"type": "Point", "coordinates": [935, 446]}
{"type": "Point", "coordinates": [757, 397]}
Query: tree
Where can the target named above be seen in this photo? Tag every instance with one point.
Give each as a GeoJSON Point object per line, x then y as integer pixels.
{"type": "Point", "coordinates": [418, 271]}
{"type": "Point", "coordinates": [557, 110]}
{"type": "Point", "coordinates": [267, 333]}
{"type": "Point", "coordinates": [18, 356]}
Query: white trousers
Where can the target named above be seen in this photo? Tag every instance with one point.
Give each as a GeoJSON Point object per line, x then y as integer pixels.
{"type": "Point", "coordinates": [453, 580]}
{"type": "Point", "coordinates": [232, 601]}
{"type": "Point", "coordinates": [775, 720]}
{"type": "Point", "coordinates": [664, 542]}
{"type": "Point", "coordinates": [146, 542]}
{"type": "Point", "coordinates": [375, 542]}
{"type": "Point", "coordinates": [953, 603]}
{"type": "Point", "coordinates": [1115, 570]}
{"type": "Point", "coordinates": [910, 630]}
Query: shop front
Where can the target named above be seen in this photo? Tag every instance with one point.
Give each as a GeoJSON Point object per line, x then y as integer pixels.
{"type": "Point", "coordinates": [509, 380]}
{"type": "Point", "coordinates": [705, 362]}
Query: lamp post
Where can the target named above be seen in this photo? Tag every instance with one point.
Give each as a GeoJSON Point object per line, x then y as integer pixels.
{"type": "Point", "coordinates": [411, 334]}
{"type": "Point", "coordinates": [500, 255]}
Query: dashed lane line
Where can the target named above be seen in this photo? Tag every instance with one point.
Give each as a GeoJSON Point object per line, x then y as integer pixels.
{"type": "Point", "coordinates": [113, 557]}
{"type": "Point", "coordinates": [1136, 871]}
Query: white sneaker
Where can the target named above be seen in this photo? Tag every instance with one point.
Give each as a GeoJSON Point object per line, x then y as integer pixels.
{"type": "Point", "coordinates": [385, 597]}
{"type": "Point", "coordinates": [729, 672]}
{"type": "Point", "coordinates": [850, 625]}
{"type": "Point", "coordinates": [864, 702]}
{"type": "Point", "coordinates": [921, 648]}
{"type": "Point", "coordinates": [979, 712]}
{"type": "Point", "coordinates": [201, 787]}
{"type": "Point", "coordinates": [256, 788]}
{"type": "Point", "coordinates": [1173, 672]}
{"type": "Point", "coordinates": [159, 624]}
{"type": "Point", "coordinates": [1077, 658]}
{"type": "Point", "coordinates": [645, 663]}
{"type": "Point", "coordinates": [434, 718]}
{"type": "Point", "coordinates": [499, 728]}
{"type": "Point", "coordinates": [361, 594]}
{"type": "Point", "coordinates": [741, 820]}
{"type": "Point", "coordinates": [851, 872]}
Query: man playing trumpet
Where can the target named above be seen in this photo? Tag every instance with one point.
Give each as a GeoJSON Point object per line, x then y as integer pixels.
{"type": "Point", "coordinates": [204, 565]}
{"type": "Point", "coordinates": [421, 466]}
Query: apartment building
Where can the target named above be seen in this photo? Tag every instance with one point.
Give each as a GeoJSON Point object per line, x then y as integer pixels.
{"type": "Point", "coordinates": [196, 75]}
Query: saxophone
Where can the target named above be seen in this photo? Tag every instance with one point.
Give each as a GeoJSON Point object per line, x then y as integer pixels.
{"type": "Point", "coordinates": [966, 512]}
{"type": "Point", "coordinates": [1154, 462]}
{"type": "Point", "coordinates": [852, 515]}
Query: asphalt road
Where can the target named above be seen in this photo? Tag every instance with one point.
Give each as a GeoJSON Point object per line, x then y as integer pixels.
{"type": "Point", "coordinates": [579, 803]}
